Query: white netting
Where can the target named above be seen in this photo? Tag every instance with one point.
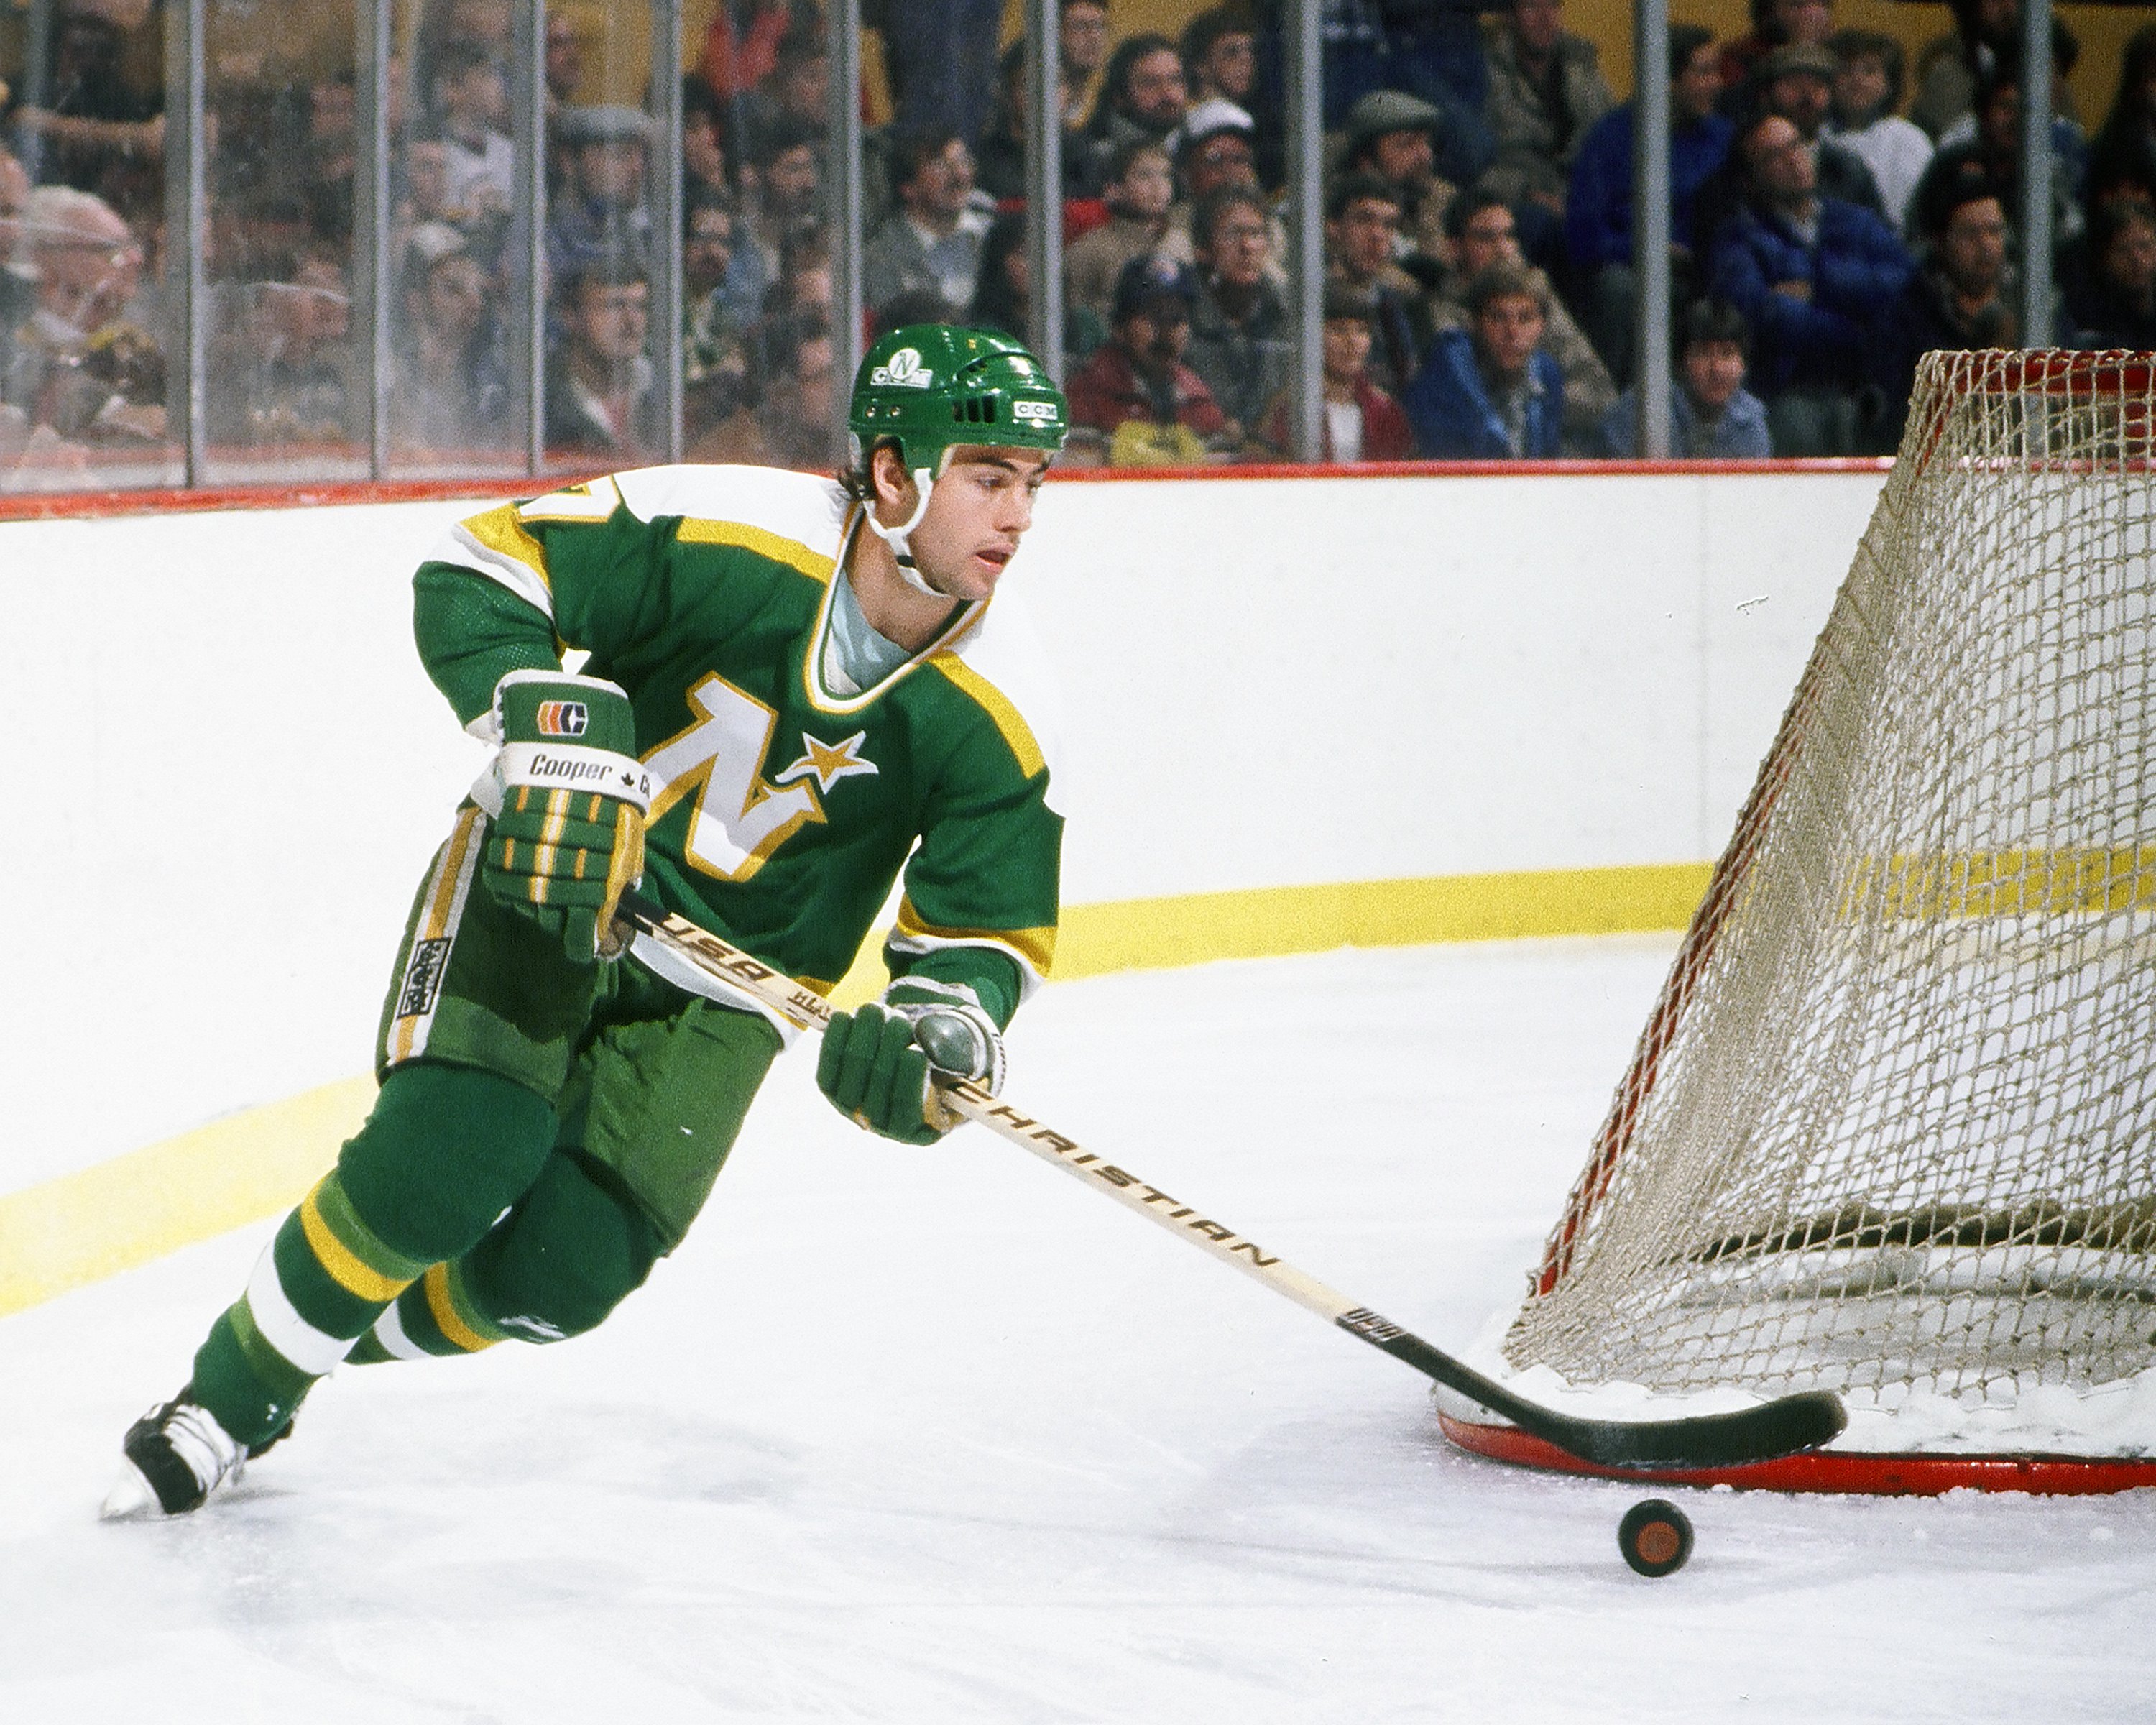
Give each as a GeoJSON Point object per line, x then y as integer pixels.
{"type": "Point", "coordinates": [1892, 1129]}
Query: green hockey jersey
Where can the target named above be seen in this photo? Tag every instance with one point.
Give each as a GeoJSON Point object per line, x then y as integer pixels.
{"type": "Point", "coordinates": [789, 801]}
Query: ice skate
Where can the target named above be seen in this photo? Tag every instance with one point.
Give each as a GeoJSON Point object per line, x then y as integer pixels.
{"type": "Point", "coordinates": [177, 1458]}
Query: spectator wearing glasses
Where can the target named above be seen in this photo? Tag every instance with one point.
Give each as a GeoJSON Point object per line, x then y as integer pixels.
{"type": "Point", "coordinates": [1797, 82]}
{"type": "Point", "coordinates": [1239, 322]}
{"type": "Point", "coordinates": [2110, 280]}
{"type": "Point", "coordinates": [1215, 151]}
{"type": "Point", "coordinates": [1082, 37]}
{"type": "Point", "coordinates": [1991, 149]}
{"type": "Point", "coordinates": [1713, 416]}
{"type": "Point", "coordinates": [1481, 227]}
{"type": "Point", "coordinates": [1488, 393]}
{"type": "Point", "coordinates": [1813, 277]}
{"type": "Point", "coordinates": [1144, 100]}
{"type": "Point", "coordinates": [1598, 214]}
{"type": "Point", "coordinates": [932, 241]}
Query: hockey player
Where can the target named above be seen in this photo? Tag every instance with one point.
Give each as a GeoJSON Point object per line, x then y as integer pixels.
{"type": "Point", "coordinates": [791, 681]}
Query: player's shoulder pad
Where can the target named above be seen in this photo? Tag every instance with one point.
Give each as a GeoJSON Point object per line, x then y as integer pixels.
{"type": "Point", "coordinates": [1000, 665]}
{"type": "Point", "coordinates": [775, 508]}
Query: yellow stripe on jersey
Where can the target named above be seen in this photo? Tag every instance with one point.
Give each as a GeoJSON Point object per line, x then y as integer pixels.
{"type": "Point", "coordinates": [992, 700]}
{"type": "Point", "coordinates": [762, 540]}
{"type": "Point", "coordinates": [1036, 946]}
{"type": "Point", "coordinates": [501, 531]}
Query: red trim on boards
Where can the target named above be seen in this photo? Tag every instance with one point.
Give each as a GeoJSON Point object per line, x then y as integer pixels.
{"type": "Point", "coordinates": [1833, 1470]}
{"type": "Point", "coordinates": [81, 505]}
{"type": "Point", "coordinates": [84, 505]}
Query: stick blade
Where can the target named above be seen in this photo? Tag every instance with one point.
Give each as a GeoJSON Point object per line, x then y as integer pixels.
{"type": "Point", "coordinates": [1765, 1433]}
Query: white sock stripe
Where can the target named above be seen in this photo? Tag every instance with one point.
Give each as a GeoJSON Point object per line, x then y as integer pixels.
{"type": "Point", "coordinates": [310, 1349]}
{"type": "Point", "coordinates": [389, 1331]}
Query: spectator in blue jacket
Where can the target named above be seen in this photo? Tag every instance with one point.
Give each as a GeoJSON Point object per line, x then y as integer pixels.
{"type": "Point", "coordinates": [1713, 416]}
{"type": "Point", "coordinates": [1597, 213]}
{"type": "Point", "coordinates": [1487, 393]}
{"type": "Point", "coordinates": [1813, 277]}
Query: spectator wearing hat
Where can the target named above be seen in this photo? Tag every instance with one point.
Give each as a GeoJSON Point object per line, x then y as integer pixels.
{"type": "Point", "coordinates": [1215, 151]}
{"type": "Point", "coordinates": [1488, 393]}
{"type": "Point", "coordinates": [932, 240]}
{"type": "Point", "coordinates": [1140, 188]}
{"type": "Point", "coordinates": [1144, 100]}
{"type": "Point", "coordinates": [1797, 82]}
{"type": "Point", "coordinates": [1775, 23]}
{"type": "Point", "coordinates": [1813, 277]}
{"type": "Point", "coordinates": [1863, 119]}
{"type": "Point", "coordinates": [1396, 137]}
{"type": "Point", "coordinates": [1135, 391]}
{"type": "Point", "coordinates": [451, 384]}
{"type": "Point", "coordinates": [1713, 416]}
{"type": "Point", "coordinates": [1547, 91]}
{"type": "Point", "coordinates": [602, 216]}
{"type": "Point", "coordinates": [1360, 422]}
{"type": "Point", "coordinates": [1361, 231]}
{"type": "Point", "coordinates": [1238, 326]}
{"type": "Point", "coordinates": [602, 389]}
{"type": "Point", "coordinates": [1480, 231]}
{"type": "Point", "coordinates": [1597, 213]}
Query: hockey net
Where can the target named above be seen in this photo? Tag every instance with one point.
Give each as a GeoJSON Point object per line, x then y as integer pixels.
{"type": "Point", "coordinates": [1891, 1128]}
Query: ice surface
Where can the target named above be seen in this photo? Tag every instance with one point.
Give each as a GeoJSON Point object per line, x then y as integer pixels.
{"type": "Point", "coordinates": [932, 1436]}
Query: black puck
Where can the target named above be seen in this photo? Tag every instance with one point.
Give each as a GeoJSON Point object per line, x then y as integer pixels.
{"type": "Point", "coordinates": [1655, 1537]}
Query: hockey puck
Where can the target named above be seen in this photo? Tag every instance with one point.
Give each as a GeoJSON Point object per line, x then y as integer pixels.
{"type": "Point", "coordinates": [1655, 1537]}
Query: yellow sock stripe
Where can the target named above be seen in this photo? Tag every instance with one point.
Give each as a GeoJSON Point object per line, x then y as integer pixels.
{"type": "Point", "coordinates": [348, 1267]}
{"type": "Point", "coordinates": [448, 1317]}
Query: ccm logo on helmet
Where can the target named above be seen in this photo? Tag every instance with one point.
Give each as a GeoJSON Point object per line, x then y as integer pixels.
{"type": "Point", "coordinates": [563, 718]}
{"type": "Point", "coordinates": [1042, 411]}
{"type": "Point", "coordinates": [903, 369]}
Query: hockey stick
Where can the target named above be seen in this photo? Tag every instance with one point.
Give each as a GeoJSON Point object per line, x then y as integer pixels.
{"type": "Point", "coordinates": [1759, 1433]}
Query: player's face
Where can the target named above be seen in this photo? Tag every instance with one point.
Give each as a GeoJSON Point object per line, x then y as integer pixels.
{"type": "Point", "coordinates": [978, 513]}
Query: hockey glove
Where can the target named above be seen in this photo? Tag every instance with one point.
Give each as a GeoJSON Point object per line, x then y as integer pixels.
{"type": "Point", "coordinates": [879, 1063]}
{"type": "Point", "coordinates": [568, 799]}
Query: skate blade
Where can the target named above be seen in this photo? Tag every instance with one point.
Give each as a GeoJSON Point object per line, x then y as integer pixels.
{"type": "Point", "coordinates": [130, 1499]}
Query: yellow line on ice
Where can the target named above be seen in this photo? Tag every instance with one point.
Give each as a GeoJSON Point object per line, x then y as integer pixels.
{"type": "Point", "coordinates": [84, 1227]}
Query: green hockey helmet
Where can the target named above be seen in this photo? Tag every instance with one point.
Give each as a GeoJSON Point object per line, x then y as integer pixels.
{"type": "Point", "coordinates": [930, 387]}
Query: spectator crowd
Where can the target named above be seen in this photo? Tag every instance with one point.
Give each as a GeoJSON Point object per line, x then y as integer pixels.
{"type": "Point", "coordinates": [1838, 208]}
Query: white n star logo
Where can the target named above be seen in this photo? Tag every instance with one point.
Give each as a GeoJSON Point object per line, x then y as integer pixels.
{"type": "Point", "coordinates": [826, 763]}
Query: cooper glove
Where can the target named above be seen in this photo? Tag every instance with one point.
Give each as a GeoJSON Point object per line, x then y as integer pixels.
{"type": "Point", "coordinates": [568, 797]}
{"type": "Point", "coordinates": [879, 1063]}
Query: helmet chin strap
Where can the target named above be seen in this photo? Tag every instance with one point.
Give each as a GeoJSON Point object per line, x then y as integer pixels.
{"type": "Point", "coordinates": [897, 538]}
